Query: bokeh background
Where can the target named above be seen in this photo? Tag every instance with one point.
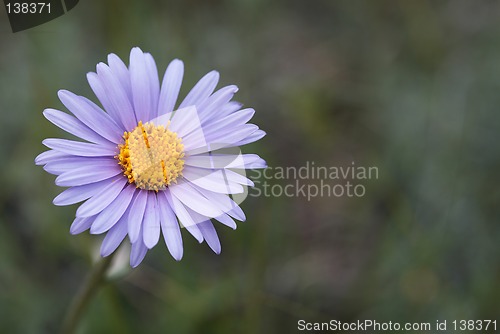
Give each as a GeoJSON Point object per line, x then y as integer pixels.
{"type": "Point", "coordinates": [412, 87]}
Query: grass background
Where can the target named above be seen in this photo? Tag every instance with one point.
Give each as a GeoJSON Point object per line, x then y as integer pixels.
{"type": "Point", "coordinates": [412, 87]}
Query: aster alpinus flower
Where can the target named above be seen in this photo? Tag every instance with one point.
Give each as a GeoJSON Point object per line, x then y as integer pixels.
{"type": "Point", "coordinates": [147, 167]}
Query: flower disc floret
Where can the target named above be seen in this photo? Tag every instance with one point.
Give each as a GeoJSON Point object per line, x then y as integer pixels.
{"type": "Point", "coordinates": [151, 156]}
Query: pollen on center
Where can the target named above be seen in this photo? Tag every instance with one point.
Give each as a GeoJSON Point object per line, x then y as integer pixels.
{"type": "Point", "coordinates": [151, 156]}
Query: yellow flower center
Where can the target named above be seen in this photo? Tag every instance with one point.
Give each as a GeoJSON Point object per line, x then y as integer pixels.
{"type": "Point", "coordinates": [151, 156]}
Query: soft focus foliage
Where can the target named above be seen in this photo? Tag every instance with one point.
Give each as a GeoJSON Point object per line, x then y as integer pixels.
{"type": "Point", "coordinates": [412, 87]}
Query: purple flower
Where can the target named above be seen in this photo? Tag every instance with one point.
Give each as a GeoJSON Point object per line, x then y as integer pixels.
{"type": "Point", "coordinates": [145, 168]}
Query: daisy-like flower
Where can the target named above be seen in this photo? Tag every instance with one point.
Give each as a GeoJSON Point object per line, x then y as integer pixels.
{"type": "Point", "coordinates": [146, 167]}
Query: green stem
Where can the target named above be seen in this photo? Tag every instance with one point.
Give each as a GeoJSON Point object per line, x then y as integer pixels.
{"type": "Point", "coordinates": [84, 295]}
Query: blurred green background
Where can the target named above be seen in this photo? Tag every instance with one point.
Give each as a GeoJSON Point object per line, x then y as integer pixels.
{"type": "Point", "coordinates": [412, 87]}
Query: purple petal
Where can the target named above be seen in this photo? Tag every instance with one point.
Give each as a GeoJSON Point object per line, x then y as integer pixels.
{"type": "Point", "coordinates": [120, 103]}
{"type": "Point", "coordinates": [229, 137]}
{"type": "Point", "coordinates": [85, 175]}
{"type": "Point", "coordinates": [151, 225]}
{"type": "Point", "coordinates": [195, 232]}
{"type": "Point", "coordinates": [170, 228]}
{"type": "Point", "coordinates": [114, 237]}
{"type": "Point", "coordinates": [136, 215]}
{"type": "Point", "coordinates": [120, 70]}
{"type": "Point", "coordinates": [224, 202]}
{"type": "Point", "coordinates": [222, 139]}
{"type": "Point", "coordinates": [78, 148]}
{"type": "Point", "coordinates": [170, 87]}
{"type": "Point", "coordinates": [252, 161]}
{"type": "Point", "coordinates": [213, 180]}
{"type": "Point", "coordinates": [80, 225]}
{"type": "Point", "coordinates": [92, 116]}
{"type": "Point", "coordinates": [71, 162]}
{"type": "Point", "coordinates": [226, 220]}
{"type": "Point", "coordinates": [154, 84]}
{"type": "Point", "coordinates": [250, 139]}
{"type": "Point", "coordinates": [232, 176]}
{"type": "Point", "coordinates": [110, 215]}
{"type": "Point", "coordinates": [77, 194]}
{"type": "Point", "coordinates": [201, 90]}
{"type": "Point", "coordinates": [210, 235]}
{"type": "Point", "coordinates": [49, 156]}
{"type": "Point", "coordinates": [214, 103]}
{"type": "Point", "coordinates": [228, 109]}
{"type": "Point", "coordinates": [137, 253]}
{"type": "Point", "coordinates": [241, 161]}
{"type": "Point", "coordinates": [185, 121]}
{"type": "Point", "coordinates": [99, 201]}
{"type": "Point", "coordinates": [194, 200]}
{"type": "Point", "coordinates": [102, 95]}
{"type": "Point", "coordinates": [237, 213]}
{"type": "Point", "coordinates": [141, 87]}
{"type": "Point", "coordinates": [72, 125]}
{"type": "Point", "coordinates": [228, 123]}
{"type": "Point", "coordinates": [184, 217]}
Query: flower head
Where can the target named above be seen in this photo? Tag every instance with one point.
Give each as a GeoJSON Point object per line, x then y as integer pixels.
{"type": "Point", "coordinates": [145, 167]}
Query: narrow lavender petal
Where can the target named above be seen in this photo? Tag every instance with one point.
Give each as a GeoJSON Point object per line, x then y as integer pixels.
{"type": "Point", "coordinates": [226, 220]}
{"type": "Point", "coordinates": [92, 116]}
{"type": "Point", "coordinates": [237, 213]}
{"type": "Point", "coordinates": [81, 193]}
{"type": "Point", "coordinates": [170, 228]}
{"type": "Point", "coordinates": [237, 134]}
{"type": "Point", "coordinates": [73, 162]}
{"type": "Point", "coordinates": [151, 225]}
{"type": "Point", "coordinates": [210, 235]}
{"type": "Point", "coordinates": [138, 252]}
{"type": "Point", "coordinates": [85, 175]}
{"type": "Point", "coordinates": [50, 156]}
{"type": "Point", "coordinates": [225, 203]}
{"type": "Point", "coordinates": [224, 111]}
{"type": "Point", "coordinates": [229, 108]}
{"type": "Point", "coordinates": [170, 87]}
{"type": "Point", "coordinates": [183, 216]}
{"type": "Point", "coordinates": [228, 123]}
{"type": "Point", "coordinates": [114, 237]}
{"type": "Point", "coordinates": [102, 95]}
{"type": "Point", "coordinates": [141, 89]}
{"type": "Point", "coordinates": [215, 102]}
{"type": "Point", "coordinates": [252, 159]}
{"type": "Point", "coordinates": [213, 180]}
{"type": "Point", "coordinates": [99, 201]}
{"type": "Point", "coordinates": [75, 127]}
{"type": "Point", "coordinates": [80, 225]}
{"type": "Point", "coordinates": [241, 161]}
{"type": "Point", "coordinates": [120, 70]}
{"type": "Point", "coordinates": [154, 84]}
{"type": "Point", "coordinates": [185, 121]}
{"type": "Point", "coordinates": [195, 232]}
{"type": "Point", "coordinates": [136, 216]}
{"type": "Point", "coordinates": [194, 200]}
{"type": "Point", "coordinates": [232, 176]}
{"type": "Point", "coordinates": [259, 134]}
{"type": "Point", "coordinates": [118, 98]}
{"type": "Point", "coordinates": [201, 90]}
{"type": "Point", "coordinates": [212, 161]}
{"type": "Point", "coordinates": [195, 140]}
{"type": "Point", "coordinates": [223, 139]}
{"type": "Point", "coordinates": [52, 170]}
{"type": "Point", "coordinates": [113, 212]}
{"type": "Point", "coordinates": [78, 148]}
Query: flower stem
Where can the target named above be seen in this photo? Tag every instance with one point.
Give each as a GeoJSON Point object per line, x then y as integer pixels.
{"type": "Point", "coordinates": [84, 295]}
